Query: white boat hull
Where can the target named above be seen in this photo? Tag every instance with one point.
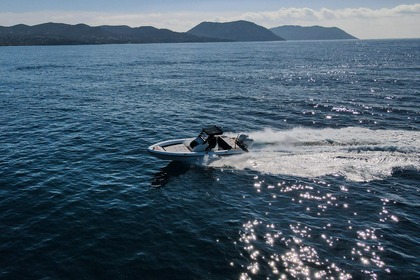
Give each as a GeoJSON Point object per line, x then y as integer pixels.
{"type": "Point", "coordinates": [178, 150]}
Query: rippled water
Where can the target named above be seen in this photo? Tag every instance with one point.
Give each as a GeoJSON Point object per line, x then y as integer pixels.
{"type": "Point", "coordinates": [329, 190]}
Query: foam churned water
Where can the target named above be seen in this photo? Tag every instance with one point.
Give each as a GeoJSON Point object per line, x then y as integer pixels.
{"type": "Point", "coordinates": [359, 154]}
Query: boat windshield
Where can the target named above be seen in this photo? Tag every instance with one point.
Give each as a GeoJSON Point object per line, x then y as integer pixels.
{"type": "Point", "coordinates": [203, 136]}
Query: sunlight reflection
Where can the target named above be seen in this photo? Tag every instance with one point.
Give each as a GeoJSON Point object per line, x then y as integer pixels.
{"type": "Point", "coordinates": [300, 248]}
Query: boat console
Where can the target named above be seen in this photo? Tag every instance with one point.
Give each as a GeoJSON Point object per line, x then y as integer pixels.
{"type": "Point", "coordinates": [211, 137]}
{"type": "Point", "coordinates": [206, 140]}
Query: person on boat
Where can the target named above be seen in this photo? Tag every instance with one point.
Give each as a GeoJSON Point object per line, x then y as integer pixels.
{"type": "Point", "coordinates": [211, 141]}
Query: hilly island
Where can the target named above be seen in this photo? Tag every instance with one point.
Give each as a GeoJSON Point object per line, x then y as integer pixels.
{"type": "Point", "coordinates": [82, 34]}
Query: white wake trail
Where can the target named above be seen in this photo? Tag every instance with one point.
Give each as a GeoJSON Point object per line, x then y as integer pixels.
{"type": "Point", "coordinates": [359, 154]}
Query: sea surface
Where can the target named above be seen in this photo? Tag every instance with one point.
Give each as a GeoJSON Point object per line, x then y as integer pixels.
{"type": "Point", "coordinates": [330, 189]}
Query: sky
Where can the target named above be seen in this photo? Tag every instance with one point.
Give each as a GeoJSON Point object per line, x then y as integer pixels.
{"type": "Point", "coordinates": [365, 19]}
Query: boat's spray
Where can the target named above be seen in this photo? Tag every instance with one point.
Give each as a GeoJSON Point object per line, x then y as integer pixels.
{"type": "Point", "coordinates": [359, 154]}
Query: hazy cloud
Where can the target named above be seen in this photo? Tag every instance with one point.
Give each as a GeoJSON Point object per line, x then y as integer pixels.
{"type": "Point", "coordinates": [322, 14]}
{"type": "Point", "coordinates": [402, 21]}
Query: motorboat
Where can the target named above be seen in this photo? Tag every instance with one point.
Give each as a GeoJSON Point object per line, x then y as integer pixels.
{"type": "Point", "coordinates": [209, 143]}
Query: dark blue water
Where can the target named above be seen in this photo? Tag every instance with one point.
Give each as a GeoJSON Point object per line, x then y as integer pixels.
{"type": "Point", "coordinates": [330, 189]}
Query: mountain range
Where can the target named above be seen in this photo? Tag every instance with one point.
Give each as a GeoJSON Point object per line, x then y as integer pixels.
{"type": "Point", "coordinates": [80, 34]}
{"type": "Point", "coordinates": [294, 32]}
{"type": "Point", "coordinates": [242, 31]}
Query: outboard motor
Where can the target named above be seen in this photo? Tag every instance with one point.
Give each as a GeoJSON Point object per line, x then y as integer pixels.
{"type": "Point", "coordinates": [244, 142]}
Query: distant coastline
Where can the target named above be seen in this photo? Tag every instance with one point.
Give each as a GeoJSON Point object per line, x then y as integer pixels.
{"type": "Point", "coordinates": [295, 32]}
{"type": "Point", "coordinates": [237, 31]}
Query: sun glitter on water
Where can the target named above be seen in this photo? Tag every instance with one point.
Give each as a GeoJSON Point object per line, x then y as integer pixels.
{"type": "Point", "coordinates": [280, 249]}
